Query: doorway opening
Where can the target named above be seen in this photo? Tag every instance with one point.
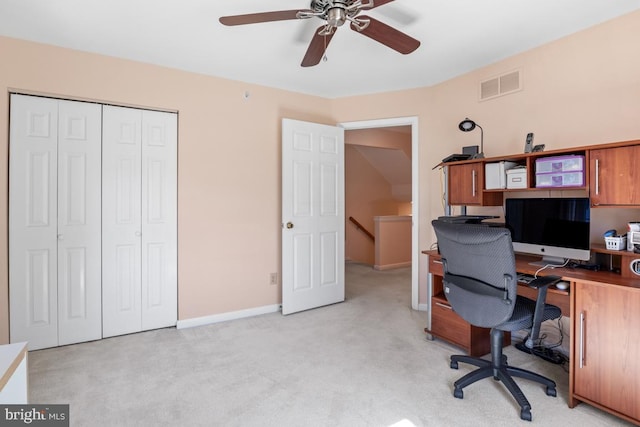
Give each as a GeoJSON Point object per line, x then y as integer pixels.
{"type": "Point", "coordinates": [406, 193]}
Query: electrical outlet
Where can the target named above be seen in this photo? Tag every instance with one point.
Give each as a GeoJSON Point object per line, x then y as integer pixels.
{"type": "Point", "coordinates": [273, 279]}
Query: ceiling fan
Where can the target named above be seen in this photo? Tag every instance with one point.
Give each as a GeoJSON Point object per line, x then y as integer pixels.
{"type": "Point", "coordinates": [335, 13]}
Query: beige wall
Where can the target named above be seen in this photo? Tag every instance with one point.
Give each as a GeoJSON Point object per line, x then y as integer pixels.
{"type": "Point", "coordinates": [583, 89]}
{"type": "Point", "coordinates": [365, 192]}
{"type": "Point", "coordinates": [393, 241]}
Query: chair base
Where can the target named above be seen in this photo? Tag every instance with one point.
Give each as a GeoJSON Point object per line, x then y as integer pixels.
{"type": "Point", "coordinates": [498, 368]}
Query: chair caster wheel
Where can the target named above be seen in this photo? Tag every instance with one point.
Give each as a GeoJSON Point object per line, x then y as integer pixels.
{"type": "Point", "coordinates": [551, 391]}
{"type": "Point", "coordinates": [453, 364]}
{"type": "Point", "coordinates": [458, 393]}
{"type": "Point", "coordinates": [525, 414]}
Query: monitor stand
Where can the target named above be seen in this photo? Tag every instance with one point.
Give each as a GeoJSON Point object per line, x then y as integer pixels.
{"type": "Point", "coordinates": [551, 261]}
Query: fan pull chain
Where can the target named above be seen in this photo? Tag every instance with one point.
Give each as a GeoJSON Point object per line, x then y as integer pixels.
{"type": "Point", "coordinates": [324, 56]}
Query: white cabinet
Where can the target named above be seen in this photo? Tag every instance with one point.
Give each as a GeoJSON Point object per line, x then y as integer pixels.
{"type": "Point", "coordinates": [139, 272]}
{"type": "Point", "coordinates": [54, 221]}
{"type": "Point", "coordinates": [92, 221]}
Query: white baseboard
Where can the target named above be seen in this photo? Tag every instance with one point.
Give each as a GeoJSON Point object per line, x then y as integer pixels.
{"type": "Point", "coordinates": [392, 266]}
{"type": "Point", "coordinates": [224, 317]}
{"type": "Point", "coordinates": [423, 307]}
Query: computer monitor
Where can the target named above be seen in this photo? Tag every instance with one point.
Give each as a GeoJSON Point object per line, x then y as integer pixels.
{"type": "Point", "coordinates": [556, 228]}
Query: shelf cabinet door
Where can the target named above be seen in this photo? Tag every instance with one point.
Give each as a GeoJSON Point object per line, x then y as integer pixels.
{"type": "Point", "coordinates": [607, 348]}
{"type": "Point", "coordinates": [465, 184]}
{"type": "Point", "coordinates": [615, 176]}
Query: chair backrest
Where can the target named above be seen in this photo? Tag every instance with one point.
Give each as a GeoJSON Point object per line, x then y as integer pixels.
{"type": "Point", "coordinates": [479, 265]}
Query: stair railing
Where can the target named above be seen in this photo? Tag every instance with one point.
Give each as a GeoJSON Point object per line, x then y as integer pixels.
{"type": "Point", "coordinates": [361, 227]}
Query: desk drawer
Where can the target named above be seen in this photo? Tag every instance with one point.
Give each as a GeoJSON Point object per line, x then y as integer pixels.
{"type": "Point", "coordinates": [435, 266]}
{"type": "Point", "coordinates": [447, 324]}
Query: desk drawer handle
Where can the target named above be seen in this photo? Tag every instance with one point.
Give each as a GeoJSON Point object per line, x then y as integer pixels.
{"type": "Point", "coordinates": [581, 356]}
{"type": "Point", "coordinates": [437, 261]}
{"type": "Point", "coordinates": [448, 307]}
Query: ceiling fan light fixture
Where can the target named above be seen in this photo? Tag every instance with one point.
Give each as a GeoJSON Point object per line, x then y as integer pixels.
{"type": "Point", "coordinates": [336, 16]}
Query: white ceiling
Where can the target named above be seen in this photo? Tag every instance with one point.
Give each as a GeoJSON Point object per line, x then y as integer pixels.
{"type": "Point", "coordinates": [457, 36]}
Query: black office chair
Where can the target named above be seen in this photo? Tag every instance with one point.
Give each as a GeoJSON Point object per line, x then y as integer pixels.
{"type": "Point", "coordinates": [480, 282]}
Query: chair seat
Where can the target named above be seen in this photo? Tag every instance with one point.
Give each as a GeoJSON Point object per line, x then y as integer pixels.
{"type": "Point", "coordinates": [522, 317]}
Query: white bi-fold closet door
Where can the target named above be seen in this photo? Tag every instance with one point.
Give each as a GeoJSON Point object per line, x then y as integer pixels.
{"type": "Point", "coordinates": [54, 221]}
{"type": "Point", "coordinates": [139, 220]}
{"type": "Point", "coordinates": [92, 221]}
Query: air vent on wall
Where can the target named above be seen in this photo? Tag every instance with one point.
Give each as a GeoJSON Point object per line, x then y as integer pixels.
{"type": "Point", "coordinates": [501, 85]}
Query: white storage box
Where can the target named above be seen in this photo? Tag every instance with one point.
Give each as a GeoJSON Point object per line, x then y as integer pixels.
{"type": "Point", "coordinates": [562, 179]}
{"type": "Point", "coordinates": [559, 164]}
{"type": "Point", "coordinates": [517, 178]}
{"type": "Point", "coordinates": [495, 176]}
{"type": "Point", "coordinates": [616, 243]}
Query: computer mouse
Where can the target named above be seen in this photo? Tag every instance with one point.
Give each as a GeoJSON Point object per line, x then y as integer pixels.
{"type": "Point", "coordinates": [562, 285]}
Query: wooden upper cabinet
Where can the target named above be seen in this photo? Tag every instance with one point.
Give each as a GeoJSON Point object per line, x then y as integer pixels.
{"type": "Point", "coordinates": [615, 176]}
{"type": "Point", "coordinates": [466, 184]}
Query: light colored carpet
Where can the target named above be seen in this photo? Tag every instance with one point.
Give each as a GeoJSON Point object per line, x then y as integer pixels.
{"type": "Point", "coordinates": [364, 362]}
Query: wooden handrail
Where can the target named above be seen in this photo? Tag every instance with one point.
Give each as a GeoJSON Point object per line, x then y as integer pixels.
{"type": "Point", "coordinates": [360, 227]}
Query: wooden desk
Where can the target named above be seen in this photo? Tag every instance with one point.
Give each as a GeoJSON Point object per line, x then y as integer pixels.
{"type": "Point", "coordinates": [445, 324]}
{"type": "Point", "coordinates": [604, 352]}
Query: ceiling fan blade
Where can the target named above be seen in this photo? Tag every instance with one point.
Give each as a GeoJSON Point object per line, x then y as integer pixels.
{"type": "Point", "coordinates": [255, 18]}
{"type": "Point", "coordinates": [388, 36]}
{"type": "Point", "coordinates": [317, 48]}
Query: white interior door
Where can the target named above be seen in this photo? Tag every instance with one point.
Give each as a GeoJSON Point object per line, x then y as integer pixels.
{"type": "Point", "coordinates": [312, 215]}
{"type": "Point", "coordinates": [79, 222]}
{"type": "Point", "coordinates": [139, 200]}
{"type": "Point", "coordinates": [159, 220]}
{"type": "Point", "coordinates": [121, 221]}
{"type": "Point", "coordinates": [33, 295]}
{"type": "Point", "coordinates": [54, 245]}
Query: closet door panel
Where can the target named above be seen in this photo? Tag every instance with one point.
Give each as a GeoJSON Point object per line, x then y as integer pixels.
{"type": "Point", "coordinates": [79, 222]}
{"type": "Point", "coordinates": [159, 220]}
{"type": "Point", "coordinates": [121, 219]}
{"type": "Point", "coordinates": [32, 221]}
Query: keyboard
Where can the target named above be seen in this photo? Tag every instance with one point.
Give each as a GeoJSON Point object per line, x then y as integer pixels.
{"type": "Point", "coordinates": [525, 278]}
{"type": "Point", "coordinates": [539, 281]}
